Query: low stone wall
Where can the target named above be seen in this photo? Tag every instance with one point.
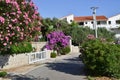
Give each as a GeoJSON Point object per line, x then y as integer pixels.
{"type": "Point", "coordinates": [75, 49]}
{"type": "Point", "coordinates": [9, 61]}
{"type": "Point", "coordinates": [39, 46]}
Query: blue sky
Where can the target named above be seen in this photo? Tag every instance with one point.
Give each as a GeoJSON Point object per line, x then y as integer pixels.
{"type": "Point", "coordinates": [60, 8]}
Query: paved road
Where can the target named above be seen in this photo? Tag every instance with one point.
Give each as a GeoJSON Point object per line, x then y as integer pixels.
{"type": "Point", "coordinates": [63, 68]}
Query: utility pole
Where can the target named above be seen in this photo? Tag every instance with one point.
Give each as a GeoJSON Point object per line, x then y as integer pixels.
{"type": "Point", "coordinates": [94, 20]}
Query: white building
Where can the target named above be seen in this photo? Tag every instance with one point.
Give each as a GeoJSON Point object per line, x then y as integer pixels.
{"type": "Point", "coordinates": [68, 18]}
{"type": "Point", "coordinates": [88, 21]}
{"type": "Point", "coordinates": [114, 21]}
{"type": "Point", "coordinates": [102, 21]}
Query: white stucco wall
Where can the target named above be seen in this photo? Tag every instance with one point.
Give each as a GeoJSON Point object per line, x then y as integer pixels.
{"type": "Point", "coordinates": [113, 21]}
{"type": "Point", "coordinates": [89, 24]}
{"type": "Point", "coordinates": [68, 18]}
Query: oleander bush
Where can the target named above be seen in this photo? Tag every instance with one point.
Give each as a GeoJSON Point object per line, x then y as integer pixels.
{"type": "Point", "coordinates": [19, 21]}
{"type": "Point", "coordinates": [101, 58]}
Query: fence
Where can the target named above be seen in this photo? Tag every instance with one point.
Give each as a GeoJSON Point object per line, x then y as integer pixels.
{"type": "Point", "coordinates": [37, 56]}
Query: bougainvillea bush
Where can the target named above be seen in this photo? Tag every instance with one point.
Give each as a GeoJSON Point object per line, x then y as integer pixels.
{"type": "Point", "coordinates": [19, 21]}
{"type": "Point", "coordinates": [57, 40]}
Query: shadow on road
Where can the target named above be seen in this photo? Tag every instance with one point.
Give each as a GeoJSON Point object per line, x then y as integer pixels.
{"type": "Point", "coordinates": [24, 77]}
{"type": "Point", "coordinates": [72, 66]}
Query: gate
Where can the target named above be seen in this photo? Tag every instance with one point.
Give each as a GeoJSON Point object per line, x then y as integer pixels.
{"type": "Point", "coordinates": [37, 56]}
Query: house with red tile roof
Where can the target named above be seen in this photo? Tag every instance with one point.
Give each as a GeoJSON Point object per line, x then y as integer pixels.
{"type": "Point", "coordinates": [111, 23]}
{"type": "Point", "coordinates": [87, 20]}
{"type": "Point", "coordinates": [101, 21]}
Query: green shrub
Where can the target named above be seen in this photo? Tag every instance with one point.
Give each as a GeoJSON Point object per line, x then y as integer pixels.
{"type": "Point", "coordinates": [3, 74]}
{"type": "Point", "coordinates": [21, 48]}
{"type": "Point", "coordinates": [65, 50]}
{"type": "Point", "coordinates": [101, 58]}
{"type": "Point", "coordinates": [53, 55]}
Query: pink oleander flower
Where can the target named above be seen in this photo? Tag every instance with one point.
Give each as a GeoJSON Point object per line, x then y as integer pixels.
{"type": "Point", "coordinates": [10, 25]}
{"type": "Point", "coordinates": [36, 12]}
{"type": "Point", "coordinates": [8, 31]}
{"type": "Point", "coordinates": [19, 12]}
{"type": "Point", "coordinates": [2, 20]}
{"type": "Point", "coordinates": [26, 22]}
{"type": "Point", "coordinates": [10, 42]}
{"type": "Point", "coordinates": [1, 39]}
{"type": "Point", "coordinates": [14, 20]}
{"type": "Point", "coordinates": [7, 38]}
{"type": "Point", "coordinates": [8, 34]}
{"type": "Point", "coordinates": [4, 44]}
{"type": "Point", "coordinates": [31, 4]}
{"type": "Point", "coordinates": [15, 4]}
{"type": "Point", "coordinates": [13, 34]}
{"type": "Point", "coordinates": [25, 15]}
{"type": "Point", "coordinates": [13, 13]}
{"type": "Point", "coordinates": [18, 28]}
{"type": "Point", "coordinates": [22, 29]}
{"type": "Point", "coordinates": [29, 19]}
{"type": "Point", "coordinates": [8, 1]}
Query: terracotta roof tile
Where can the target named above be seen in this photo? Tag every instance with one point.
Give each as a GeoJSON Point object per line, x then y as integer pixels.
{"type": "Point", "coordinates": [88, 18]}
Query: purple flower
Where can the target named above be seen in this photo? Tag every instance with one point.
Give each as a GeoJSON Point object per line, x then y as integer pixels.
{"type": "Point", "coordinates": [49, 36]}
{"type": "Point", "coordinates": [57, 40]}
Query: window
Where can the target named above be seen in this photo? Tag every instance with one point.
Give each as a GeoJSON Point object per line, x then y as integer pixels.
{"type": "Point", "coordinates": [71, 20]}
{"type": "Point", "coordinates": [117, 21]}
{"type": "Point", "coordinates": [85, 22]}
{"type": "Point", "coordinates": [91, 22]}
{"type": "Point", "coordinates": [109, 22]}
{"type": "Point", "coordinates": [81, 23]}
{"type": "Point", "coordinates": [98, 22]}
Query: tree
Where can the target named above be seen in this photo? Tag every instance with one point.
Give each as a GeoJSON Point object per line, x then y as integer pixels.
{"type": "Point", "coordinates": [19, 21]}
{"type": "Point", "coordinates": [104, 33]}
{"type": "Point", "coordinates": [52, 25]}
{"type": "Point", "coordinates": [46, 27]}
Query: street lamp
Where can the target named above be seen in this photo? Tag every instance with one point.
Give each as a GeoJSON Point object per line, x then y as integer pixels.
{"type": "Point", "coordinates": [94, 20]}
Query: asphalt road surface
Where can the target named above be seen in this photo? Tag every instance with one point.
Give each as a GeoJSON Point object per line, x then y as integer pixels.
{"type": "Point", "coordinates": [69, 67]}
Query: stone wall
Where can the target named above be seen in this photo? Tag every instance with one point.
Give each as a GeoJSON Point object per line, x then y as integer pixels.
{"type": "Point", "coordinates": [9, 61]}
{"type": "Point", "coordinates": [39, 46]}
{"type": "Point", "coordinates": [75, 49]}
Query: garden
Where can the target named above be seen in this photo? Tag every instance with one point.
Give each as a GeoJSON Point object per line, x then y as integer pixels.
{"type": "Point", "coordinates": [100, 56]}
{"type": "Point", "coordinates": [20, 24]}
